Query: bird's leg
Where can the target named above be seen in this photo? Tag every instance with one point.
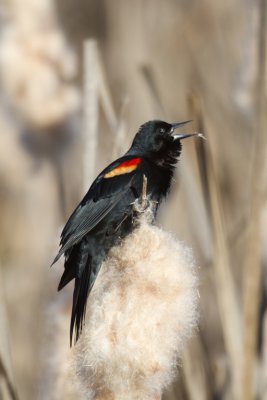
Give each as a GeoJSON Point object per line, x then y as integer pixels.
{"type": "Point", "coordinates": [141, 204]}
{"type": "Point", "coordinates": [144, 200]}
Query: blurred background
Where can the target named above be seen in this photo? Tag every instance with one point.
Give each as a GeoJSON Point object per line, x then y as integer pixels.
{"type": "Point", "coordinates": [77, 78]}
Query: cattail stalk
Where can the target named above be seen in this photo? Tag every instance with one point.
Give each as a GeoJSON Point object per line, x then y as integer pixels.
{"type": "Point", "coordinates": [226, 290]}
{"type": "Point", "coordinates": [252, 258]}
{"type": "Point", "coordinates": [6, 373]}
{"type": "Point", "coordinates": [91, 110]}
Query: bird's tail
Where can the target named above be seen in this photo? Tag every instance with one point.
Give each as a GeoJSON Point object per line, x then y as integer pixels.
{"type": "Point", "coordinates": [78, 265]}
{"type": "Point", "coordinates": [82, 287]}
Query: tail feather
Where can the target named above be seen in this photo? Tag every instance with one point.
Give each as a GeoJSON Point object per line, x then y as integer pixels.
{"type": "Point", "coordinates": [70, 267]}
{"type": "Point", "coordinates": [80, 294]}
{"type": "Point", "coordinates": [82, 266]}
{"type": "Point", "coordinates": [79, 265]}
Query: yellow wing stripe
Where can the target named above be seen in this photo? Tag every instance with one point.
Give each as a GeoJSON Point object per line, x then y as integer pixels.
{"type": "Point", "coordinates": [120, 170]}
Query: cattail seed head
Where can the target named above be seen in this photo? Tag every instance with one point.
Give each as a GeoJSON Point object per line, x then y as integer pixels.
{"type": "Point", "coordinates": [140, 314]}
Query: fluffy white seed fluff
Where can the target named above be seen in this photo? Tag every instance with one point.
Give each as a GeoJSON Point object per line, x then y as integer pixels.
{"type": "Point", "coordinates": [37, 67]}
{"type": "Point", "coordinates": [140, 313]}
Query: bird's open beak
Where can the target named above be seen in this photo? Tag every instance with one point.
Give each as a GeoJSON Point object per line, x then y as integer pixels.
{"type": "Point", "coordinates": [177, 125]}
{"type": "Point", "coordinates": [184, 136]}
{"type": "Point", "coordinates": [180, 136]}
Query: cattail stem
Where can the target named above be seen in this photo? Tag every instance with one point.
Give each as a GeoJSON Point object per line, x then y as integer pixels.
{"type": "Point", "coordinates": [252, 259]}
{"type": "Point", "coordinates": [144, 192]}
{"type": "Point", "coordinates": [225, 285]}
{"type": "Point", "coordinates": [5, 358]}
{"type": "Point", "coordinates": [91, 110]}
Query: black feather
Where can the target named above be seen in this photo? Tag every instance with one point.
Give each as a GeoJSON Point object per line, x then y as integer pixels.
{"type": "Point", "coordinates": [82, 222]}
{"type": "Point", "coordinates": [69, 271]}
{"type": "Point", "coordinates": [82, 268]}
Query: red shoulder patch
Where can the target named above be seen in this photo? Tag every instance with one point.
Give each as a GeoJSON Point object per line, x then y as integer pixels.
{"type": "Point", "coordinates": [124, 168]}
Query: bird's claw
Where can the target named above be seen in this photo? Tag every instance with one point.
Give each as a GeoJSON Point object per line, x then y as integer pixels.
{"type": "Point", "coordinates": [140, 206]}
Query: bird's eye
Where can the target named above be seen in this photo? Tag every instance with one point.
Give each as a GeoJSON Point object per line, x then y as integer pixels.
{"type": "Point", "coordinates": [162, 130]}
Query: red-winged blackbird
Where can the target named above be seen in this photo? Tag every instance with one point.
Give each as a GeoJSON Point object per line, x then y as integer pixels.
{"type": "Point", "coordinates": [106, 213]}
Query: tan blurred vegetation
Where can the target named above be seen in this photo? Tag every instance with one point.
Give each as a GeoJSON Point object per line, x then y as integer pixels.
{"type": "Point", "coordinates": [153, 59]}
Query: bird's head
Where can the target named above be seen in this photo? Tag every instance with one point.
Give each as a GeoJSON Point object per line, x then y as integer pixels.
{"type": "Point", "coordinates": [159, 141]}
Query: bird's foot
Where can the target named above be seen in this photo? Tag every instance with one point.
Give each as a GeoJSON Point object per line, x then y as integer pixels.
{"type": "Point", "coordinates": [142, 203]}
{"type": "Point", "coordinates": [140, 206]}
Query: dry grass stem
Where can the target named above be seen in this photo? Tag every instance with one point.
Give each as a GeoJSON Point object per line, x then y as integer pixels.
{"type": "Point", "coordinates": [225, 286]}
{"type": "Point", "coordinates": [91, 110]}
{"type": "Point", "coordinates": [105, 95]}
{"type": "Point", "coordinates": [37, 65]}
{"type": "Point", "coordinates": [96, 94]}
{"type": "Point", "coordinates": [116, 123]}
{"type": "Point", "coordinates": [6, 373]}
{"type": "Point", "coordinates": [252, 257]}
{"type": "Point", "coordinates": [120, 132]}
{"type": "Point", "coordinates": [194, 370]}
{"type": "Point", "coordinates": [227, 295]}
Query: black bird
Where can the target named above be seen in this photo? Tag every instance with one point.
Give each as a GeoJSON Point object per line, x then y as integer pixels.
{"type": "Point", "coordinates": [106, 214]}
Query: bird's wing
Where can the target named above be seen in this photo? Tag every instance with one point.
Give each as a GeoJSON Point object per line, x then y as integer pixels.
{"type": "Point", "coordinates": [105, 193]}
